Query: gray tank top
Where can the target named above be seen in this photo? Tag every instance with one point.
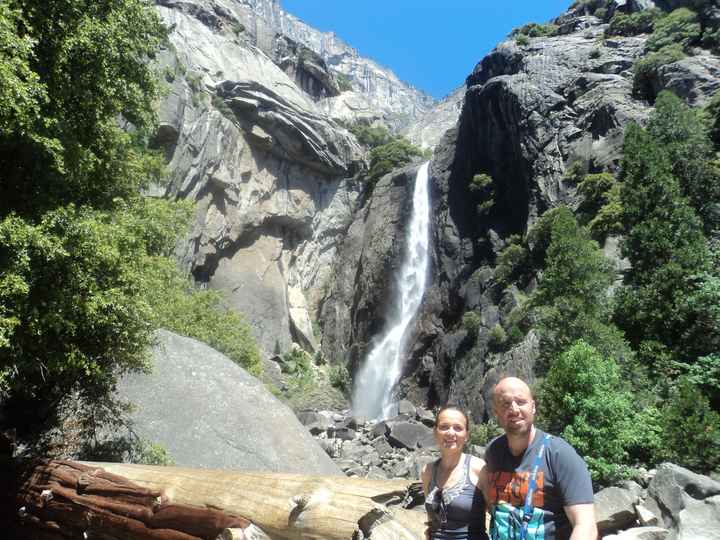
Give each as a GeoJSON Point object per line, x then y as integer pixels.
{"type": "Point", "coordinates": [461, 515]}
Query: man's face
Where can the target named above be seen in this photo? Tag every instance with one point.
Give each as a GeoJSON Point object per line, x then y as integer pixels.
{"type": "Point", "coordinates": [514, 406]}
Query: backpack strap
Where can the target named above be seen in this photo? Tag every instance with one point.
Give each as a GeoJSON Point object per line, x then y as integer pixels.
{"type": "Point", "coordinates": [532, 484]}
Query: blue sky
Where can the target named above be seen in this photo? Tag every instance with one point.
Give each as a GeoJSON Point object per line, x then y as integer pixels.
{"type": "Point", "coordinates": [430, 44]}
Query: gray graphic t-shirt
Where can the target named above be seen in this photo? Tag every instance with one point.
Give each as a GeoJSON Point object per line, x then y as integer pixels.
{"type": "Point", "coordinates": [562, 480]}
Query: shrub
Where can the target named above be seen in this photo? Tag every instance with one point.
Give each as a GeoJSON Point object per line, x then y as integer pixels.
{"type": "Point", "coordinates": [537, 30]}
{"type": "Point", "coordinates": [471, 323]}
{"type": "Point", "coordinates": [582, 398]}
{"type": "Point", "coordinates": [600, 209]}
{"type": "Point", "coordinates": [390, 156]}
{"type": "Point", "coordinates": [480, 182]}
{"type": "Point", "coordinates": [691, 429]}
{"type": "Point", "coordinates": [679, 27]}
{"type": "Point", "coordinates": [632, 24]}
{"type": "Point", "coordinates": [340, 378]}
{"type": "Point", "coordinates": [497, 338]}
{"type": "Point", "coordinates": [522, 40]}
{"type": "Point", "coordinates": [645, 79]}
{"type": "Point", "coordinates": [513, 261]}
{"type": "Point", "coordinates": [482, 434]}
{"type": "Point", "coordinates": [371, 136]}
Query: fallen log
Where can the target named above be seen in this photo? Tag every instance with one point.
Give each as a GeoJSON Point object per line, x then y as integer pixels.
{"type": "Point", "coordinates": [113, 501]}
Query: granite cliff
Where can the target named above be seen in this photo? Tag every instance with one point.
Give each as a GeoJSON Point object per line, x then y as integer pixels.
{"type": "Point", "coordinates": [532, 110]}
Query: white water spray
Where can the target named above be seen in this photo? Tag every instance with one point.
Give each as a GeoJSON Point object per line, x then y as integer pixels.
{"type": "Point", "coordinates": [383, 366]}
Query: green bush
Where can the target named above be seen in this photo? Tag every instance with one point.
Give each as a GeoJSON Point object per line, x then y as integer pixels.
{"type": "Point", "coordinates": [691, 429]}
{"type": "Point", "coordinates": [583, 399]}
{"type": "Point", "coordinates": [390, 156]}
{"type": "Point", "coordinates": [471, 323]}
{"type": "Point", "coordinates": [482, 434]}
{"type": "Point", "coordinates": [497, 338]}
{"type": "Point", "coordinates": [600, 208]}
{"type": "Point", "coordinates": [371, 136]}
{"type": "Point", "coordinates": [536, 30]}
{"type": "Point", "coordinates": [513, 261]}
{"type": "Point", "coordinates": [522, 40]}
{"type": "Point", "coordinates": [340, 378]}
{"type": "Point", "coordinates": [679, 27]}
{"type": "Point", "coordinates": [645, 77]}
{"type": "Point", "coordinates": [641, 22]}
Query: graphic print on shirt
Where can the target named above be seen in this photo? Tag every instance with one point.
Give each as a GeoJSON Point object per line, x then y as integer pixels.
{"type": "Point", "coordinates": [512, 488]}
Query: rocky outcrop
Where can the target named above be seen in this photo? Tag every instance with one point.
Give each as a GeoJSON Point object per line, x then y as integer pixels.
{"type": "Point", "coordinates": [209, 412]}
{"type": "Point", "coordinates": [376, 93]}
{"type": "Point", "coordinates": [531, 111]}
{"type": "Point", "coordinates": [428, 129]}
{"type": "Point", "coordinates": [271, 175]}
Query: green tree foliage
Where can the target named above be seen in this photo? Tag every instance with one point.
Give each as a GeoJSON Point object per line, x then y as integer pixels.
{"type": "Point", "coordinates": [394, 154]}
{"type": "Point", "coordinates": [600, 209]}
{"type": "Point", "coordinates": [681, 26]}
{"type": "Point", "coordinates": [584, 400]}
{"type": "Point", "coordinates": [664, 299]}
{"type": "Point", "coordinates": [691, 429]}
{"type": "Point", "coordinates": [683, 135]}
{"type": "Point", "coordinates": [73, 315]}
{"type": "Point", "coordinates": [536, 30]}
{"type": "Point", "coordinates": [371, 136]}
{"type": "Point", "coordinates": [85, 276]}
{"type": "Point", "coordinates": [82, 64]}
{"type": "Point", "coordinates": [513, 261]}
{"type": "Point", "coordinates": [571, 299]}
{"type": "Point", "coordinates": [631, 24]}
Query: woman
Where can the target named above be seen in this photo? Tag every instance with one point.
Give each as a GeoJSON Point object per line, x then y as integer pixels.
{"type": "Point", "coordinates": [453, 484]}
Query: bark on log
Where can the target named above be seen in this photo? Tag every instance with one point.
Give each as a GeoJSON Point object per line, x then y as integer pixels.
{"type": "Point", "coordinates": [115, 501]}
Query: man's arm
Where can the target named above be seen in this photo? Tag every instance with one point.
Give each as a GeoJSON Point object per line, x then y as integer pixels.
{"type": "Point", "coordinates": [582, 518]}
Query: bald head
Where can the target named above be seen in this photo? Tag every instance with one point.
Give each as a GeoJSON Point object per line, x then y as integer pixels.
{"type": "Point", "coordinates": [511, 384]}
{"type": "Point", "coordinates": [514, 406]}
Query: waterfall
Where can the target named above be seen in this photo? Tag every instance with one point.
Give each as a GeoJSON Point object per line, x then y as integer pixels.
{"type": "Point", "coordinates": [383, 366]}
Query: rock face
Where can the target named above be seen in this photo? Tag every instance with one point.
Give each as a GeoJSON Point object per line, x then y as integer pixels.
{"type": "Point", "coordinates": [530, 112]}
{"type": "Point", "coordinates": [271, 175]}
{"type": "Point", "coordinates": [426, 131]}
{"type": "Point", "coordinates": [209, 412]}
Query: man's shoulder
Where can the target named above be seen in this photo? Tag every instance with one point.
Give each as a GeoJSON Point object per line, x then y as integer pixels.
{"type": "Point", "coordinates": [561, 446]}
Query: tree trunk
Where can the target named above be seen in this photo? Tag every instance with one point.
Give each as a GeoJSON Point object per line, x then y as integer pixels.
{"type": "Point", "coordinates": [113, 501]}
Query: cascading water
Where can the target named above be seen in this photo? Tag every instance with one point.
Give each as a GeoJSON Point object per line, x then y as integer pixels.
{"type": "Point", "coordinates": [383, 366]}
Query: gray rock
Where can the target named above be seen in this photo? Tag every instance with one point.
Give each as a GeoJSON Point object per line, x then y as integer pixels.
{"type": "Point", "coordinates": [209, 412]}
{"type": "Point", "coordinates": [647, 517]}
{"type": "Point", "coordinates": [410, 435]}
{"type": "Point", "coordinates": [376, 473]}
{"type": "Point", "coordinates": [640, 533]}
{"type": "Point", "coordinates": [426, 417]}
{"type": "Point", "coordinates": [614, 509]}
{"type": "Point", "coordinates": [382, 446]}
{"type": "Point", "coordinates": [673, 487]}
{"type": "Point", "coordinates": [700, 519]}
{"type": "Point", "coordinates": [406, 407]}
{"type": "Point", "coordinates": [370, 459]}
{"type": "Point", "coordinates": [343, 433]}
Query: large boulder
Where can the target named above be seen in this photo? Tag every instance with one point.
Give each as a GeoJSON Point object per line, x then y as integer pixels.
{"type": "Point", "coordinates": [614, 509]}
{"type": "Point", "coordinates": [681, 494]}
{"type": "Point", "coordinates": [209, 412]}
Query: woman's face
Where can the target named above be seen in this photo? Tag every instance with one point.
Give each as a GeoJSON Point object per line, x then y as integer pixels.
{"type": "Point", "coordinates": [451, 430]}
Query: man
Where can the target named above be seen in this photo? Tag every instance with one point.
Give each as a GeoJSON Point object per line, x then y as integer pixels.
{"type": "Point", "coordinates": [560, 506]}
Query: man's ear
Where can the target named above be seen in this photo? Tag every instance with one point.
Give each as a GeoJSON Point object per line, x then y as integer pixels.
{"type": "Point", "coordinates": [534, 409]}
